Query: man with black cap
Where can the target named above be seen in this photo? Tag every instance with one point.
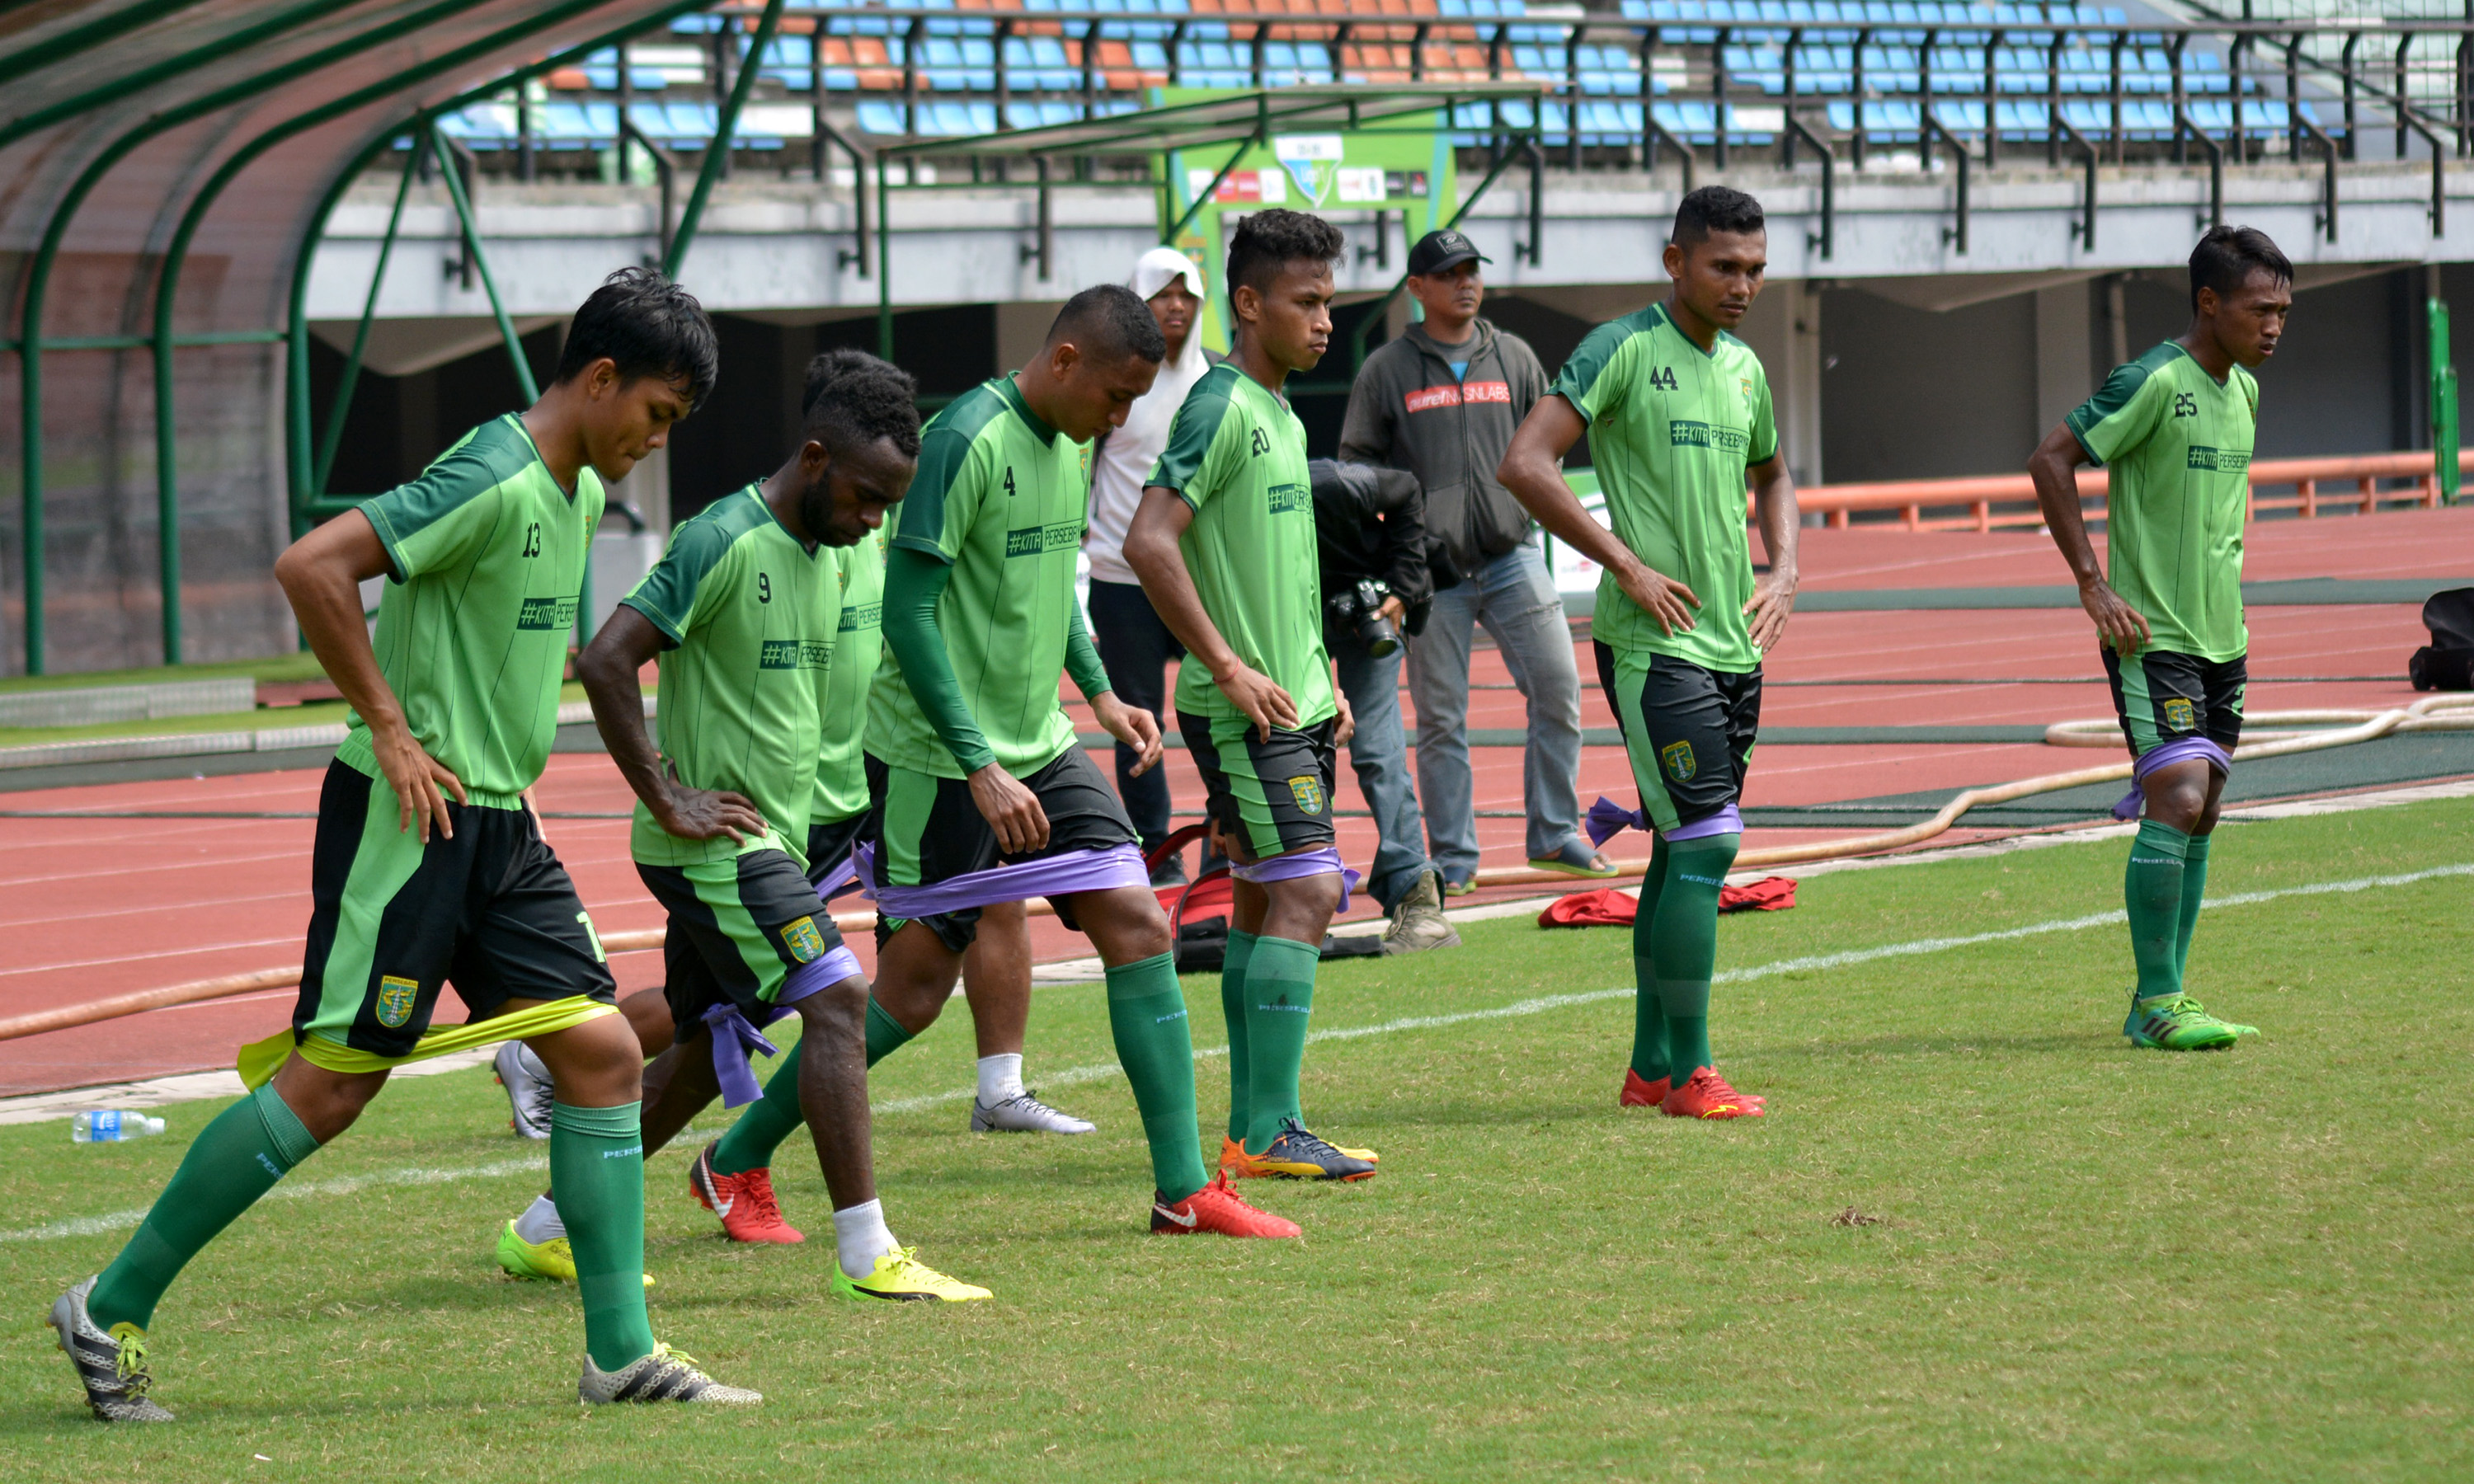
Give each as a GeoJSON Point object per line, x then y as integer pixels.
{"type": "Point", "coordinates": [1441, 401]}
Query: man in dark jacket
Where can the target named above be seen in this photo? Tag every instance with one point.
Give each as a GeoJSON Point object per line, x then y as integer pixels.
{"type": "Point", "coordinates": [1371, 545]}
{"type": "Point", "coordinates": [1441, 401]}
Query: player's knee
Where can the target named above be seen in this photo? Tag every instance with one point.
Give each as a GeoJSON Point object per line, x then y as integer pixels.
{"type": "Point", "coordinates": [837, 1009]}
{"type": "Point", "coordinates": [599, 1064]}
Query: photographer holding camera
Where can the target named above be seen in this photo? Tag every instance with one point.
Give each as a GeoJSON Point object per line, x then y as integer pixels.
{"type": "Point", "coordinates": [1369, 525]}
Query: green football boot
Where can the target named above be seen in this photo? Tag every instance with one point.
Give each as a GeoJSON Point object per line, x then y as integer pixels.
{"type": "Point", "coordinates": [2177, 1023]}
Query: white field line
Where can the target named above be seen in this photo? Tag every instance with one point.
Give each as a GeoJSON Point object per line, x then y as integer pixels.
{"type": "Point", "coordinates": [113, 1221]}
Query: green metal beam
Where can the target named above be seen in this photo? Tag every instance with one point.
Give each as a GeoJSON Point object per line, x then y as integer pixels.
{"type": "Point", "coordinates": [454, 177]}
{"type": "Point", "coordinates": [30, 341]}
{"type": "Point", "coordinates": [135, 83]}
{"type": "Point", "coordinates": [716, 155]}
{"type": "Point", "coordinates": [85, 37]}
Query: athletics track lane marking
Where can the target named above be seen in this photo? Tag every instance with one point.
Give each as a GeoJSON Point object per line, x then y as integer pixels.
{"type": "Point", "coordinates": [345, 1184]}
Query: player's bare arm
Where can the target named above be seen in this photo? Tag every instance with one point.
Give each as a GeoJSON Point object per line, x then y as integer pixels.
{"type": "Point", "coordinates": [1773, 597]}
{"type": "Point", "coordinates": [1533, 472]}
{"type": "Point", "coordinates": [1151, 551]}
{"type": "Point", "coordinates": [609, 669]}
{"type": "Point", "coordinates": [2055, 468]}
{"type": "Point", "coordinates": [1132, 726]}
{"type": "Point", "coordinates": [322, 575]}
{"type": "Point", "coordinates": [1346, 724]}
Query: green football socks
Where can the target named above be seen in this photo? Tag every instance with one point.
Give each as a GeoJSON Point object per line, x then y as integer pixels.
{"type": "Point", "coordinates": [2195, 886]}
{"type": "Point", "coordinates": [1232, 1009]}
{"type": "Point", "coordinates": [884, 1033]}
{"type": "Point", "coordinates": [1279, 1001]}
{"type": "Point", "coordinates": [1648, 1013]}
{"type": "Point", "coordinates": [237, 1159]}
{"type": "Point", "coordinates": [1683, 945]}
{"type": "Point", "coordinates": [2153, 889]}
{"type": "Point", "coordinates": [1156, 1045]}
{"type": "Point", "coordinates": [597, 1166]}
{"type": "Point", "coordinates": [762, 1124]}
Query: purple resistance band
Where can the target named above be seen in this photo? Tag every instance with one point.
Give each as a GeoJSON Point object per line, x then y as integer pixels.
{"type": "Point", "coordinates": [734, 1035]}
{"type": "Point", "coordinates": [843, 877]}
{"type": "Point", "coordinates": [2179, 750]}
{"type": "Point", "coordinates": [1323, 861]}
{"type": "Point", "coordinates": [1607, 819]}
{"type": "Point", "coordinates": [1050, 875]}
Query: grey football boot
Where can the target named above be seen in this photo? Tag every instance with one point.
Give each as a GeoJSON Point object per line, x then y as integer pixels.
{"type": "Point", "coordinates": [664, 1376]}
{"type": "Point", "coordinates": [112, 1367]}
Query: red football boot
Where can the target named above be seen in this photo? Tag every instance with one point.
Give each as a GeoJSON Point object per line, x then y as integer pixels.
{"type": "Point", "coordinates": [1638, 1093]}
{"type": "Point", "coordinates": [1217, 1207]}
{"type": "Point", "coordinates": [1708, 1096]}
{"type": "Point", "coordinates": [744, 1202]}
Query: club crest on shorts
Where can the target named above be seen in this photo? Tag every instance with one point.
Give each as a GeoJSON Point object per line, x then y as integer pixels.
{"type": "Point", "coordinates": [1677, 756]}
{"type": "Point", "coordinates": [396, 996]}
{"type": "Point", "coordinates": [2179, 716]}
{"type": "Point", "coordinates": [1308, 793]}
{"type": "Point", "coordinates": [801, 938]}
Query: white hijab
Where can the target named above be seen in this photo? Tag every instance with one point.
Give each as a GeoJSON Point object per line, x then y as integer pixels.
{"type": "Point", "coordinates": [1127, 458]}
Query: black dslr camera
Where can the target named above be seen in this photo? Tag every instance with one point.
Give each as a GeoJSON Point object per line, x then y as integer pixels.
{"type": "Point", "coordinates": [1358, 609]}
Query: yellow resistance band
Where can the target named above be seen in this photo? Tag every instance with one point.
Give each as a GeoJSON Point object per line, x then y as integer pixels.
{"type": "Point", "coordinates": [259, 1060]}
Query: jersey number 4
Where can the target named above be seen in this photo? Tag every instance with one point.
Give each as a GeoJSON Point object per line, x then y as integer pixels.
{"type": "Point", "coordinates": [1008, 482]}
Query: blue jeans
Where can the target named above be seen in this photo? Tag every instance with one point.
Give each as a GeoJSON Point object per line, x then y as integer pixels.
{"type": "Point", "coordinates": [1379, 754]}
{"type": "Point", "coordinates": [1515, 597]}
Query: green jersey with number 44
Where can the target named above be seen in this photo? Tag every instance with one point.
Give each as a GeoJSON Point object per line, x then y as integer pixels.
{"type": "Point", "coordinates": [1237, 455]}
{"type": "Point", "coordinates": [999, 496]}
{"type": "Point", "coordinates": [487, 555]}
{"type": "Point", "coordinates": [2175, 447]}
{"type": "Point", "coordinates": [1672, 428]}
{"type": "Point", "coordinates": [748, 613]}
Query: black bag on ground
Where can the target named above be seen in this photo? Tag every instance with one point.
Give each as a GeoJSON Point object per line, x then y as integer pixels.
{"type": "Point", "coordinates": [2447, 662]}
{"type": "Point", "coordinates": [1203, 945]}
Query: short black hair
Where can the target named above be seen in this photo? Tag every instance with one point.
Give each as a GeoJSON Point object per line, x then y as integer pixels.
{"type": "Point", "coordinates": [648, 326]}
{"type": "Point", "coordinates": [1268, 241]}
{"type": "Point", "coordinates": [1110, 323]}
{"type": "Point", "coordinates": [1715, 209]}
{"type": "Point", "coordinates": [852, 399]}
{"type": "Point", "coordinates": [2227, 256]}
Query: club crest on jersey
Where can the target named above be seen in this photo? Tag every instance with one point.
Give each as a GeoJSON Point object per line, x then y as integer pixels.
{"type": "Point", "coordinates": [1677, 756]}
{"type": "Point", "coordinates": [2179, 714]}
{"type": "Point", "coordinates": [801, 938]}
{"type": "Point", "coordinates": [1308, 793]}
{"type": "Point", "coordinates": [396, 996]}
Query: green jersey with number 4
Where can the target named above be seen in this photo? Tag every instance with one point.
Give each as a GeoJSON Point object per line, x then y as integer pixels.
{"type": "Point", "coordinates": [746, 613]}
{"type": "Point", "coordinates": [999, 496]}
{"type": "Point", "coordinates": [858, 645]}
{"type": "Point", "coordinates": [1237, 455]}
{"type": "Point", "coordinates": [487, 555]}
{"type": "Point", "coordinates": [2175, 447]}
{"type": "Point", "coordinates": [1672, 428]}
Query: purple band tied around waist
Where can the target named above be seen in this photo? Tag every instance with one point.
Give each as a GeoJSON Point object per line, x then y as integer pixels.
{"type": "Point", "coordinates": [843, 877]}
{"type": "Point", "coordinates": [1323, 861]}
{"type": "Point", "coordinates": [1607, 819]}
{"type": "Point", "coordinates": [733, 1037]}
{"type": "Point", "coordinates": [2179, 750]}
{"type": "Point", "coordinates": [1050, 875]}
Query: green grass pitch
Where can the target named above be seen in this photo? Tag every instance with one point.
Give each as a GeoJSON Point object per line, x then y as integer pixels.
{"type": "Point", "coordinates": [2069, 1259]}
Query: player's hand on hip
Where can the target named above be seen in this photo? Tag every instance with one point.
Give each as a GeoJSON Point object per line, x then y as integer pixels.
{"type": "Point", "coordinates": [1012, 810]}
{"type": "Point", "coordinates": [1773, 599]}
{"type": "Point", "coordinates": [417, 778]}
{"type": "Point", "coordinates": [704, 813]}
{"type": "Point", "coordinates": [2117, 623]}
{"type": "Point", "coordinates": [1132, 726]}
{"type": "Point", "coordinates": [1263, 701]}
{"type": "Point", "coordinates": [1662, 598]}
{"type": "Point", "coordinates": [1347, 720]}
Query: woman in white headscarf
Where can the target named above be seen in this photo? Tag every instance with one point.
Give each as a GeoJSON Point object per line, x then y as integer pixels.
{"type": "Point", "coordinates": [1133, 643]}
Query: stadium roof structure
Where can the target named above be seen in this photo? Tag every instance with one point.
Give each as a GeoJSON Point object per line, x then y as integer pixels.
{"type": "Point", "coordinates": [166, 167]}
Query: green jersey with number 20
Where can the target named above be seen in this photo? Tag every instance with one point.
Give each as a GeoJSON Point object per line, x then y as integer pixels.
{"type": "Point", "coordinates": [746, 613]}
{"type": "Point", "coordinates": [487, 555]}
{"type": "Point", "coordinates": [1672, 429]}
{"type": "Point", "coordinates": [2175, 444]}
{"type": "Point", "coordinates": [1237, 455]}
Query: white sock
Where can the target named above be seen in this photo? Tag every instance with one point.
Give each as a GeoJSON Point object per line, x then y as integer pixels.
{"type": "Point", "coordinates": [1000, 1078]}
{"type": "Point", "coordinates": [540, 1221]}
{"type": "Point", "coordinates": [860, 1238]}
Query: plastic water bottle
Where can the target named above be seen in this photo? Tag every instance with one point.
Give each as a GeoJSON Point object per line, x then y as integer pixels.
{"type": "Point", "coordinates": [112, 1126]}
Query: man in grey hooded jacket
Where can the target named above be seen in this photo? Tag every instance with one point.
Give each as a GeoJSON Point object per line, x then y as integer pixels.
{"type": "Point", "coordinates": [1441, 401]}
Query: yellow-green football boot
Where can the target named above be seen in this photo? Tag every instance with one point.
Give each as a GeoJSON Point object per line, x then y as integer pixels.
{"type": "Point", "coordinates": [553, 1260]}
{"type": "Point", "coordinates": [901, 1276]}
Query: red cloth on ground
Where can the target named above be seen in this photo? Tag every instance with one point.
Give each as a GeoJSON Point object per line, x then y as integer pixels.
{"type": "Point", "coordinates": [1608, 907]}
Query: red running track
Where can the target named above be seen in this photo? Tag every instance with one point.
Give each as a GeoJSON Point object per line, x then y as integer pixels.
{"type": "Point", "coordinates": [99, 908]}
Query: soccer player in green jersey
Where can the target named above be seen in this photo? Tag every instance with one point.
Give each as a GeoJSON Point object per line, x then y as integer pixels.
{"type": "Point", "coordinates": [981, 794]}
{"type": "Point", "coordinates": [1224, 544]}
{"type": "Point", "coordinates": [427, 869]}
{"type": "Point", "coordinates": [1678, 413]}
{"type": "Point", "coordinates": [2173, 431]}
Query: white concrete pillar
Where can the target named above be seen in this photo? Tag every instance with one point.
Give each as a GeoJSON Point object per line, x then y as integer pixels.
{"type": "Point", "coordinates": [2064, 378]}
{"type": "Point", "coordinates": [1021, 329]}
{"type": "Point", "coordinates": [1784, 330]}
